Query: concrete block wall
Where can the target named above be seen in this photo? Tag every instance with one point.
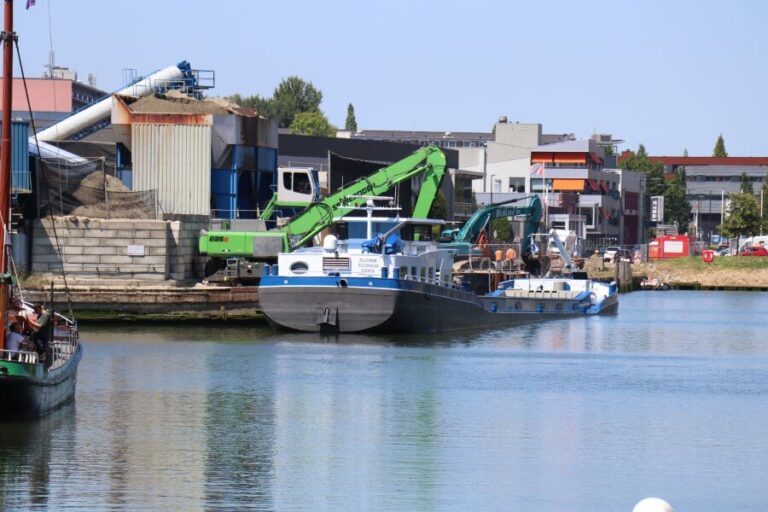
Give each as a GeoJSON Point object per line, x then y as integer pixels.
{"type": "Point", "coordinates": [99, 247]}
{"type": "Point", "coordinates": [184, 261]}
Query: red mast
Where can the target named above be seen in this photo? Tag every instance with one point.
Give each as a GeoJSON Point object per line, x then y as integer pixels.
{"type": "Point", "coordinates": [8, 38]}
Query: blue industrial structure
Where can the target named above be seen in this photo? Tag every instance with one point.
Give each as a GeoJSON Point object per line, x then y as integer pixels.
{"type": "Point", "coordinates": [21, 181]}
{"type": "Point", "coordinates": [241, 190]}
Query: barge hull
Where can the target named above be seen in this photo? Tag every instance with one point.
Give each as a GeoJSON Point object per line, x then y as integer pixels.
{"type": "Point", "coordinates": [411, 307]}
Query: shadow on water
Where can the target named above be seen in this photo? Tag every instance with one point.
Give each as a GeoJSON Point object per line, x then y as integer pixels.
{"type": "Point", "coordinates": [26, 449]}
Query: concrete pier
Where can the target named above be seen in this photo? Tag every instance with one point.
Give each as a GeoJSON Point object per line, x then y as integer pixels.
{"type": "Point", "coordinates": [101, 300]}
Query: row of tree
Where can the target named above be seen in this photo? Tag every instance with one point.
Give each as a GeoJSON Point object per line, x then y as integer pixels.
{"type": "Point", "coordinates": [745, 216]}
{"type": "Point", "coordinates": [295, 104]}
{"type": "Point", "coordinates": [676, 207]}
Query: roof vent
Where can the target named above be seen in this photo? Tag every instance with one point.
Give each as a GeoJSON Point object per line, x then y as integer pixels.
{"type": "Point", "coordinates": [502, 119]}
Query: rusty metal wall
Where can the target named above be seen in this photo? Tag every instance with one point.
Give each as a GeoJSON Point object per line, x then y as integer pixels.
{"type": "Point", "coordinates": [176, 161]}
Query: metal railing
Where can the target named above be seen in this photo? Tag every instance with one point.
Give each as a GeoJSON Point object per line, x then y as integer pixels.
{"type": "Point", "coordinates": [64, 342]}
{"type": "Point", "coordinates": [430, 280]}
{"type": "Point", "coordinates": [21, 356]}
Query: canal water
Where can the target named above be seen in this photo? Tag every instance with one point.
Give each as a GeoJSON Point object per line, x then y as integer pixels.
{"type": "Point", "coordinates": [669, 398]}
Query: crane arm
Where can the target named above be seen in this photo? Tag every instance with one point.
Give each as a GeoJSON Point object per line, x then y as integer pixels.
{"type": "Point", "coordinates": [481, 217]}
{"type": "Point", "coordinates": [429, 161]}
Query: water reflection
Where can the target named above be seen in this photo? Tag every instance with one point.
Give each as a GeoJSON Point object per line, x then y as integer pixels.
{"type": "Point", "coordinates": [581, 414]}
{"type": "Point", "coordinates": [26, 451]}
{"type": "Point", "coordinates": [239, 427]}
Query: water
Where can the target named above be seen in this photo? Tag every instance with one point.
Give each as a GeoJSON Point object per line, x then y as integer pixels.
{"type": "Point", "coordinates": [669, 398]}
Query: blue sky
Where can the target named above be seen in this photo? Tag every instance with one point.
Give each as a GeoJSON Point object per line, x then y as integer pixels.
{"type": "Point", "coordinates": [671, 75]}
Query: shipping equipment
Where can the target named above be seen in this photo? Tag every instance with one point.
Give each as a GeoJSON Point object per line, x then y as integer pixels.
{"type": "Point", "coordinates": [528, 216]}
{"type": "Point", "coordinates": [238, 255]}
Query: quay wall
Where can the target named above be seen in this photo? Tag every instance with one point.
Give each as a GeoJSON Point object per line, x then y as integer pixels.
{"type": "Point", "coordinates": [132, 300]}
{"type": "Point", "coordinates": [151, 250]}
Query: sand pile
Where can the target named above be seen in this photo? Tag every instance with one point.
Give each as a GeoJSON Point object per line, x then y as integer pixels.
{"type": "Point", "coordinates": [104, 196]}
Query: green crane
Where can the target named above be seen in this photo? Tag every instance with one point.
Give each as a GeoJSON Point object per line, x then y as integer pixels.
{"type": "Point", "coordinates": [247, 249]}
{"type": "Point", "coordinates": [462, 239]}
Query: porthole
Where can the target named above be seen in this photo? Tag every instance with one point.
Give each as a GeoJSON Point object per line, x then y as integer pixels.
{"type": "Point", "coordinates": [299, 267]}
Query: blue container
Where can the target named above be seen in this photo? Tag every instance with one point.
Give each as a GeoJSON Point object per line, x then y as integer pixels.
{"type": "Point", "coordinates": [21, 180]}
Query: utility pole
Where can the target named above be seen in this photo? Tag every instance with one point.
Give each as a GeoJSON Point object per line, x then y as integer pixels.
{"type": "Point", "coordinates": [485, 157]}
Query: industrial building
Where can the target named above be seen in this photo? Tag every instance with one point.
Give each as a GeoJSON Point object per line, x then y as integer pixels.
{"type": "Point", "coordinates": [709, 180]}
{"type": "Point", "coordinates": [340, 161]}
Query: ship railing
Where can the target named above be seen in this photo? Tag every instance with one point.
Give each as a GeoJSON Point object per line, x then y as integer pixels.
{"type": "Point", "coordinates": [21, 356]}
{"type": "Point", "coordinates": [64, 342]}
{"type": "Point", "coordinates": [430, 280]}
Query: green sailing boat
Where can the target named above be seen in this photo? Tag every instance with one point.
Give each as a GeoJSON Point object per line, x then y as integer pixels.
{"type": "Point", "coordinates": [37, 377]}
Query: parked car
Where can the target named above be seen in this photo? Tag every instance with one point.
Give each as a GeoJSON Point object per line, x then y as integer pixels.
{"type": "Point", "coordinates": [610, 253]}
{"type": "Point", "coordinates": [757, 250]}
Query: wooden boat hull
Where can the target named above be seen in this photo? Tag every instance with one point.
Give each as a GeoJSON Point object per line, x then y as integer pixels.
{"type": "Point", "coordinates": [29, 390]}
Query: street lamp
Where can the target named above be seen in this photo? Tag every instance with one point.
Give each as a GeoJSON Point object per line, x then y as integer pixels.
{"type": "Point", "coordinates": [485, 157]}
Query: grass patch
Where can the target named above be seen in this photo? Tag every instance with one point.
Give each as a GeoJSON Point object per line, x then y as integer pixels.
{"type": "Point", "coordinates": [696, 263]}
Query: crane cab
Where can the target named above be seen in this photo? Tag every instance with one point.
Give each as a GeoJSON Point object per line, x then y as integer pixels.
{"type": "Point", "coordinates": [297, 186]}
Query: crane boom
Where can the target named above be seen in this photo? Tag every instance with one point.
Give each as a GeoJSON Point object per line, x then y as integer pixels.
{"type": "Point", "coordinates": [429, 161]}
{"type": "Point", "coordinates": [461, 239]}
{"type": "Point", "coordinates": [264, 245]}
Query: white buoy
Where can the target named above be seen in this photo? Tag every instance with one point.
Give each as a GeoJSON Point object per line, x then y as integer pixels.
{"type": "Point", "coordinates": [653, 505]}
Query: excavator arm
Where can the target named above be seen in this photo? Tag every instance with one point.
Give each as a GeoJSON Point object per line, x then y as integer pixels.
{"type": "Point", "coordinates": [429, 161]}
{"type": "Point", "coordinates": [264, 245]}
{"type": "Point", "coordinates": [463, 238]}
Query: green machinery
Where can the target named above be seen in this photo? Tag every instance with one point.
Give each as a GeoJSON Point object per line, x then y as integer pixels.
{"type": "Point", "coordinates": [297, 187]}
{"type": "Point", "coordinates": [238, 255]}
{"type": "Point", "coordinates": [462, 239]}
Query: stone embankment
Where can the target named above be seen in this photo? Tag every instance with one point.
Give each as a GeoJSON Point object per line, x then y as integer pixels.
{"type": "Point", "coordinates": [734, 273]}
{"type": "Point", "coordinates": [711, 278]}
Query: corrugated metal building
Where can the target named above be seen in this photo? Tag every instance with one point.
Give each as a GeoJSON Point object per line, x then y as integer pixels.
{"type": "Point", "coordinates": [175, 145]}
{"type": "Point", "coordinates": [174, 159]}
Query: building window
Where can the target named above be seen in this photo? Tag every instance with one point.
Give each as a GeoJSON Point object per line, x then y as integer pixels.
{"type": "Point", "coordinates": [517, 184]}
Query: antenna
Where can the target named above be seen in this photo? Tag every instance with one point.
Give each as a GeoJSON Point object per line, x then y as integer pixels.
{"type": "Point", "coordinates": [51, 64]}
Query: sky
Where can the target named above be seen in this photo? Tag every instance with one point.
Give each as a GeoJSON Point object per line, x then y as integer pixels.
{"type": "Point", "coordinates": [671, 75]}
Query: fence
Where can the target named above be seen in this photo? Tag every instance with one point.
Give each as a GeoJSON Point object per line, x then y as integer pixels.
{"type": "Point", "coordinates": [91, 190]}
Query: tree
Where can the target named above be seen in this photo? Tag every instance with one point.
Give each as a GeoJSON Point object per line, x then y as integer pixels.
{"type": "Point", "coordinates": [676, 205]}
{"type": "Point", "coordinates": [655, 171]}
{"type": "Point", "coordinates": [312, 123]}
{"type": "Point", "coordinates": [351, 123]}
{"type": "Point", "coordinates": [743, 216]}
{"type": "Point", "coordinates": [655, 182]}
{"type": "Point", "coordinates": [720, 147]}
{"type": "Point", "coordinates": [292, 97]}
{"type": "Point", "coordinates": [439, 209]}
{"type": "Point", "coordinates": [501, 230]}
{"type": "Point", "coordinates": [745, 186]}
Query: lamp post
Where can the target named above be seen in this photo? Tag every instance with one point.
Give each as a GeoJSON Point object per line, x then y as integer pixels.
{"type": "Point", "coordinates": [485, 157]}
